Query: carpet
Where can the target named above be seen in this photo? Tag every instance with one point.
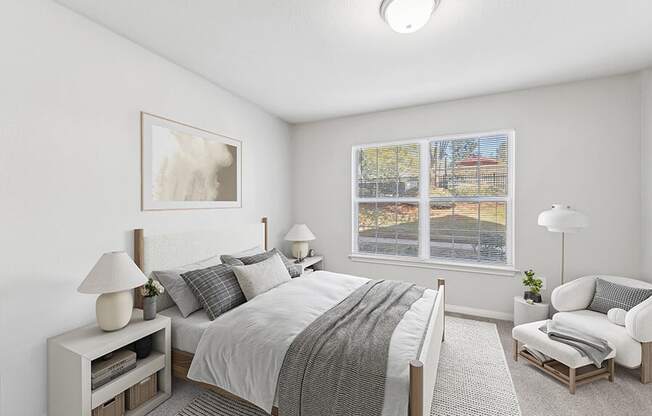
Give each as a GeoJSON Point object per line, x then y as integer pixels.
{"type": "Point", "coordinates": [473, 378]}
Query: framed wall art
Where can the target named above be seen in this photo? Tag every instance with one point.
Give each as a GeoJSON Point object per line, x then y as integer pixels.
{"type": "Point", "coordinates": [185, 167]}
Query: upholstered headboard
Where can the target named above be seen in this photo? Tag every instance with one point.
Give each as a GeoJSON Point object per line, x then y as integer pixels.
{"type": "Point", "coordinates": [169, 251]}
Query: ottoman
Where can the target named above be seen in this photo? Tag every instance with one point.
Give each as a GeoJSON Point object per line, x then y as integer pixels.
{"type": "Point", "coordinates": [566, 364]}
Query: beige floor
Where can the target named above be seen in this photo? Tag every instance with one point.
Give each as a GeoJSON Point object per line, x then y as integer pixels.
{"type": "Point", "coordinates": [538, 394]}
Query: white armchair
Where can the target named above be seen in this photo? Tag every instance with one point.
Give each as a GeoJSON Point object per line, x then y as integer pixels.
{"type": "Point", "coordinates": [638, 322]}
{"type": "Point", "coordinates": [633, 342]}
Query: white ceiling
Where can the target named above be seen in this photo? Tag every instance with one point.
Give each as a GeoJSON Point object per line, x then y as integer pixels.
{"type": "Point", "coordinates": [306, 60]}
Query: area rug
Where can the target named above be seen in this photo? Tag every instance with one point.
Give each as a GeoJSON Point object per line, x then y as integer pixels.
{"type": "Point", "coordinates": [212, 404]}
{"type": "Point", "coordinates": [473, 378]}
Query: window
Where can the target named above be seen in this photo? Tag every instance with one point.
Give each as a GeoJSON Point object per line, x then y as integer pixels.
{"type": "Point", "coordinates": [445, 199]}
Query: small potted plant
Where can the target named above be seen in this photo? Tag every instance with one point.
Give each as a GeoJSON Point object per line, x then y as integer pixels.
{"type": "Point", "coordinates": [534, 285]}
{"type": "Point", "coordinates": [150, 291]}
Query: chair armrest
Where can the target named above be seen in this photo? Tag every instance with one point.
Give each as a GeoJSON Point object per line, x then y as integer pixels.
{"type": "Point", "coordinates": [638, 321]}
{"type": "Point", "coordinates": [574, 295]}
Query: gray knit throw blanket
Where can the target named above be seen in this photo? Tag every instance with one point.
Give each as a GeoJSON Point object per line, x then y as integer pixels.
{"type": "Point", "coordinates": [337, 366]}
{"type": "Point", "coordinates": [594, 348]}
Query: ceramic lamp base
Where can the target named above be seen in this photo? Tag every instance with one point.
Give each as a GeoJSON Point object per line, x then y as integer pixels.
{"type": "Point", "coordinates": [113, 310]}
{"type": "Point", "coordinates": [300, 249]}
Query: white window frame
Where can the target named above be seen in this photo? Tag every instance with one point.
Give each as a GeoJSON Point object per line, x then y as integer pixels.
{"type": "Point", "coordinates": [424, 199]}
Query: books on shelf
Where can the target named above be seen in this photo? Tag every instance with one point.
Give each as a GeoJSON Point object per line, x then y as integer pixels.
{"type": "Point", "coordinates": [104, 370]}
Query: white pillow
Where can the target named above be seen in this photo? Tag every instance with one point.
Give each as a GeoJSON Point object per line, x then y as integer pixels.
{"type": "Point", "coordinates": [258, 278]}
{"type": "Point", "coordinates": [177, 288]}
{"type": "Point", "coordinates": [617, 316]}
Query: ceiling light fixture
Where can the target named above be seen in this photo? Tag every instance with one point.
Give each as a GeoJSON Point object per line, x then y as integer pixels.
{"type": "Point", "coordinates": [407, 16]}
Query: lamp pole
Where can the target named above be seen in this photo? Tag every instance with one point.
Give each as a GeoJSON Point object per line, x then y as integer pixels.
{"type": "Point", "coordinates": [563, 235]}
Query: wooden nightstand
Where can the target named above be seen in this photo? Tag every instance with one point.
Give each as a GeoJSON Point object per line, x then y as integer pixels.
{"type": "Point", "coordinates": [310, 264]}
{"type": "Point", "coordinates": [69, 366]}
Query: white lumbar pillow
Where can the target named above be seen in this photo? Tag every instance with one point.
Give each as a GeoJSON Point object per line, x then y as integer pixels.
{"type": "Point", "coordinates": [258, 278]}
{"type": "Point", "coordinates": [617, 316]}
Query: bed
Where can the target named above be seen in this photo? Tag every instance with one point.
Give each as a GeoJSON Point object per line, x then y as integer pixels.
{"type": "Point", "coordinates": [411, 371]}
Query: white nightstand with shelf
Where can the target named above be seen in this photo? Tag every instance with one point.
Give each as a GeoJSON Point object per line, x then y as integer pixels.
{"type": "Point", "coordinates": [69, 366]}
{"type": "Point", "coordinates": [310, 264]}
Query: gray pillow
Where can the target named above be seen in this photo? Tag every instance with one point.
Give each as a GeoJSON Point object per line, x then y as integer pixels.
{"type": "Point", "coordinates": [294, 269]}
{"type": "Point", "coordinates": [177, 288]}
{"type": "Point", "coordinates": [216, 288]}
{"type": "Point", "coordinates": [610, 295]}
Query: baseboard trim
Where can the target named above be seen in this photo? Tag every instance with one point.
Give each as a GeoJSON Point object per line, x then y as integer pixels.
{"type": "Point", "coordinates": [484, 313]}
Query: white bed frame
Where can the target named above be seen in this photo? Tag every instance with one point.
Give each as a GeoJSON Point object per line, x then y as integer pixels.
{"type": "Point", "coordinates": [167, 251]}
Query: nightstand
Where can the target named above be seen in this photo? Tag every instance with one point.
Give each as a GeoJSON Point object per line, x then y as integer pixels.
{"type": "Point", "coordinates": [525, 312]}
{"type": "Point", "coordinates": [310, 264]}
{"type": "Point", "coordinates": [69, 366]}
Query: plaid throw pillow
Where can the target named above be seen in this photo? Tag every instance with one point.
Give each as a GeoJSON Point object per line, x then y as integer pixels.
{"type": "Point", "coordinates": [610, 295]}
{"type": "Point", "coordinates": [295, 270]}
{"type": "Point", "coordinates": [216, 288]}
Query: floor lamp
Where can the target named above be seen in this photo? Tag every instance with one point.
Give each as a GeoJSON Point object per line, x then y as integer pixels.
{"type": "Point", "coordinates": [563, 219]}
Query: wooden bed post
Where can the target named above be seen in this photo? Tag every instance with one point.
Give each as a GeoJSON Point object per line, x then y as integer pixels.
{"type": "Point", "coordinates": [264, 221]}
{"type": "Point", "coordinates": [139, 253]}
{"type": "Point", "coordinates": [416, 388]}
{"type": "Point", "coordinates": [440, 283]}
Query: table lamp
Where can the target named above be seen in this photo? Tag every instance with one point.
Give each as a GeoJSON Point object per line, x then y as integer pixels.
{"type": "Point", "coordinates": [563, 219]}
{"type": "Point", "coordinates": [300, 234]}
{"type": "Point", "coordinates": [113, 277]}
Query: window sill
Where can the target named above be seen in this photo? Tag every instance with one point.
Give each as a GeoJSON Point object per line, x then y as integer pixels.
{"type": "Point", "coordinates": [434, 264]}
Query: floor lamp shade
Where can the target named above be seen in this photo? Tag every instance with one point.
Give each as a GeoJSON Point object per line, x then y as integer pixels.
{"type": "Point", "coordinates": [299, 234]}
{"type": "Point", "coordinates": [563, 219]}
{"type": "Point", "coordinates": [113, 277]}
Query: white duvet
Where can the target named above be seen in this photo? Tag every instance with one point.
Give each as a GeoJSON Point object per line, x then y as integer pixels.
{"type": "Point", "coordinates": [242, 351]}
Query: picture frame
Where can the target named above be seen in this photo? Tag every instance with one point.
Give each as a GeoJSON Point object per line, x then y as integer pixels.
{"type": "Point", "coordinates": [186, 167]}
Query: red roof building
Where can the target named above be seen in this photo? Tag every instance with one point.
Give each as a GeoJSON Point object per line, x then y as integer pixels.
{"type": "Point", "coordinates": [475, 160]}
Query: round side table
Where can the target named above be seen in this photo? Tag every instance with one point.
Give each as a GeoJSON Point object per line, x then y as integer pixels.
{"type": "Point", "coordinates": [525, 313]}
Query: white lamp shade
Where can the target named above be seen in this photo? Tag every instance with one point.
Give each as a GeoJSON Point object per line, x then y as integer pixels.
{"type": "Point", "coordinates": [299, 232]}
{"type": "Point", "coordinates": [563, 219]}
{"type": "Point", "coordinates": [114, 272]}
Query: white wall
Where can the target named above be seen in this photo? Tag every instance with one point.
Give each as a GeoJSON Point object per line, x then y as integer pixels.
{"type": "Point", "coordinates": [646, 174]}
{"type": "Point", "coordinates": [576, 143]}
{"type": "Point", "coordinates": [70, 97]}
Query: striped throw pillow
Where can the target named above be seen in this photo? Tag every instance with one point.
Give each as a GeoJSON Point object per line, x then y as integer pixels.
{"type": "Point", "coordinates": [610, 295]}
